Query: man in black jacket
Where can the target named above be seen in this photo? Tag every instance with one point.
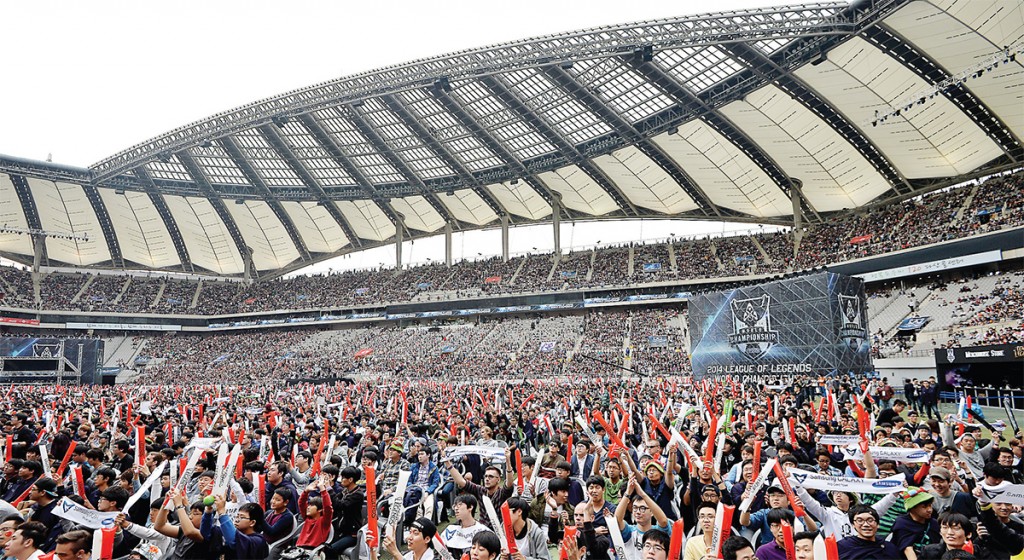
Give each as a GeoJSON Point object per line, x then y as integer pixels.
{"type": "Point", "coordinates": [348, 510]}
{"type": "Point", "coordinates": [929, 399]}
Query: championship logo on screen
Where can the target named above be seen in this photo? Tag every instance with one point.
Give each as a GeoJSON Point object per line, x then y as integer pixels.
{"type": "Point", "coordinates": [852, 331]}
{"type": "Point", "coordinates": [46, 349]}
{"type": "Point", "coordinates": [752, 326]}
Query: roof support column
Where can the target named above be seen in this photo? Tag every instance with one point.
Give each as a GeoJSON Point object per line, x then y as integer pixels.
{"type": "Point", "coordinates": [556, 223]}
{"type": "Point", "coordinates": [247, 260]}
{"type": "Point", "coordinates": [38, 249]}
{"type": "Point", "coordinates": [504, 238]}
{"type": "Point", "coordinates": [448, 244]}
{"type": "Point", "coordinates": [399, 229]}
{"type": "Point", "coordinates": [798, 232]}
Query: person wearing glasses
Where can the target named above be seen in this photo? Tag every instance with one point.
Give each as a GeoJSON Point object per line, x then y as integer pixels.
{"type": "Point", "coordinates": [645, 511]}
{"type": "Point", "coordinates": [242, 535]}
{"type": "Point", "coordinates": [864, 544]}
{"type": "Point", "coordinates": [697, 548]}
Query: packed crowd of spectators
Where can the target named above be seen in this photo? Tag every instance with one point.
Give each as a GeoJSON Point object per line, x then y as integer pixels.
{"type": "Point", "coordinates": [937, 216]}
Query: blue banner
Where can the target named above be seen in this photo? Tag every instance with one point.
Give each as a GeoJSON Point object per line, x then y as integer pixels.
{"type": "Point", "coordinates": [743, 259]}
{"type": "Point", "coordinates": [568, 274]}
{"type": "Point", "coordinates": [652, 267]}
{"type": "Point", "coordinates": [657, 341]}
{"type": "Point", "coordinates": [424, 286]}
{"type": "Point", "coordinates": [913, 323]}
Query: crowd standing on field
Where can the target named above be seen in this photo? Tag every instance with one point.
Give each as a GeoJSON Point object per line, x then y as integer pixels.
{"type": "Point", "coordinates": [587, 468]}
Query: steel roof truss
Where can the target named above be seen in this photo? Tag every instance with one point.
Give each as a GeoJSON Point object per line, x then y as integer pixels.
{"type": "Point", "coordinates": [165, 214]}
{"type": "Point", "coordinates": [268, 196]}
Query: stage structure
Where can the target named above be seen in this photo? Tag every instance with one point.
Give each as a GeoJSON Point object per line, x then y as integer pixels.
{"type": "Point", "coordinates": [50, 360]}
{"type": "Point", "coordinates": [810, 324]}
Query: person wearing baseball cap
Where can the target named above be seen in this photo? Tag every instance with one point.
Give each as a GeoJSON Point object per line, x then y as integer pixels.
{"type": "Point", "coordinates": [419, 541]}
{"type": "Point", "coordinates": [947, 499]}
{"type": "Point", "coordinates": [916, 528]}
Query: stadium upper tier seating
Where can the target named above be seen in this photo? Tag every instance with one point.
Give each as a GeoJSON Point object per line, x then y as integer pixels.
{"type": "Point", "coordinates": [950, 214]}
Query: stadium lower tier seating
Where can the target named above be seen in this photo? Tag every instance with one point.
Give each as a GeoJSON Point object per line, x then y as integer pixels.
{"type": "Point", "coordinates": [982, 309]}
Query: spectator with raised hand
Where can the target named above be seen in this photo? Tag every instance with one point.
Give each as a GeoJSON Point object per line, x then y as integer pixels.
{"type": "Point", "coordinates": [645, 512]}
{"type": "Point", "coordinates": [190, 540]}
{"type": "Point", "coordinates": [242, 536]}
{"type": "Point", "coordinates": [317, 513]}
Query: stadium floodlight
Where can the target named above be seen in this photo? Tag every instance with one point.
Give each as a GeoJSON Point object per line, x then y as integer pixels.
{"type": "Point", "coordinates": [84, 236]}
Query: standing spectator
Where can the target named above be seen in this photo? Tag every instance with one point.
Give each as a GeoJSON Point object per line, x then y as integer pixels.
{"type": "Point", "coordinates": [886, 393]}
{"type": "Point", "coordinates": [929, 400]}
{"type": "Point", "coordinates": [910, 394]}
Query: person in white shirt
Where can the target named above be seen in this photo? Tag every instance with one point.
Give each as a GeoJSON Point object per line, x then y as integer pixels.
{"type": "Point", "coordinates": [458, 536]}
{"type": "Point", "coordinates": [645, 511]}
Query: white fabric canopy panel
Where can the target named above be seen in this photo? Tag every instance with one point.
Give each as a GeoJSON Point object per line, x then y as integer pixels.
{"type": "Point", "coordinates": [833, 174]}
{"type": "Point", "coordinates": [579, 191]}
{"type": "Point", "coordinates": [12, 215]}
{"type": "Point", "coordinates": [272, 247]}
{"type": "Point", "coordinates": [957, 47]}
{"type": "Point", "coordinates": [935, 139]}
{"type": "Point", "coordinates": [644, 182]}
{"type": "Point", "coordinates": [520, 199]}
{"type": "Point", "coordinates": [141, 232]}
{"type": "Point", "coordinates": [726, 175]}
{"type": "Point", "coordinates": [419, 214]}
{"type": "Point", "coordinates": [468, 207]}
{"type": "Point", "coordinates": [317, 228]}
{"type": "Point", "coordinates": [65, 208]}
{"type": "Point", "coordinates": [206, 238]}
{"type": "Point", "coordinates": [1001, 22]}
{"type": "Point", "coordinates": [367, 220]}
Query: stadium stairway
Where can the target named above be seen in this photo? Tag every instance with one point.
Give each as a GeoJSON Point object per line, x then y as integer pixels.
{"type": "Point", "coordinates": [84, 288]}
{"type": "Point", "coordinates": [159, 294]}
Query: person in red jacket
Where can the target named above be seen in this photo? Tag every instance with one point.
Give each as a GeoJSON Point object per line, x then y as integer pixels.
{"type": "Point", "coordinates": [317, 512]}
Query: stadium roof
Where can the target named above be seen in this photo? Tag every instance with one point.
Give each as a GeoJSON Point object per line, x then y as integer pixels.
{"type": "Point", "coordinates": [746, 116]}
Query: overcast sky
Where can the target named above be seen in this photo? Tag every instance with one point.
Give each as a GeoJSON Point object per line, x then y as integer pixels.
{"type": "Point", "coordinates": [84, 80]}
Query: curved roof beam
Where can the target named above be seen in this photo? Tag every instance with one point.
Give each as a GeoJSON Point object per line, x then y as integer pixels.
{"type": "Point", "coordinates": [218, 205]}
{"type": "Point", "coordinates": [487, 139]}
{"type": "Point", "coordinates": [930, 71]}
{"type": "Point", "coordinates": [142, 174]}
{"type": "Point", "coordinates": [270, 133]}
{"type": "Point", "coordinates": [363, 182]}
{"type": "Point", "coordinates": [402, 112]}
{"type": "Point", "coordinates": [630, 134]}
{"type": "Point", "coordinates": [769, 70]}
{"type": "Point", "coordinates": [28, 206]}
{"type": "Point", "coordinates": [824, 18]}
{"type": "Point", "coordinates": [525, 114]}
{"type": "Point", "coordinates": [378, 143]}
{"type": "Point", "coordinates": [256, 179]}
{"type": "Point", "coordinates": [695, 105]}
{"type": "Point", "coordinates": [106, 226]}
